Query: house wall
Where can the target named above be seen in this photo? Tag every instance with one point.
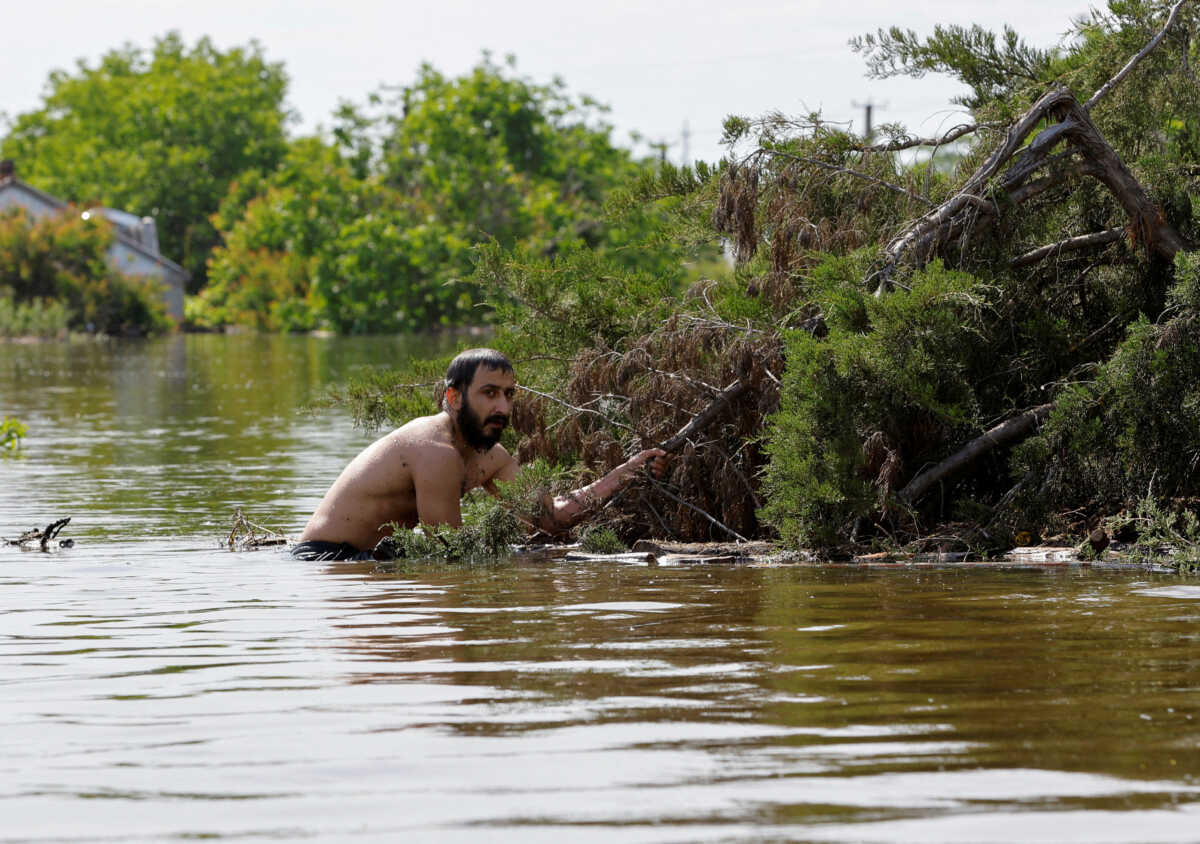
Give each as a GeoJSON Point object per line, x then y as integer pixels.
{"type": "Point", "coordinates": [131, 262]}
{"type": "Point", "coordinates": [38, 207]}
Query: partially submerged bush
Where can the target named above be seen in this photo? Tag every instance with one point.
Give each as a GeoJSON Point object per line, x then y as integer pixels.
{"type": "Point", "coordinates": [876, 399]}
{"type": "Point", "coordinates": [61, 262]}
{"type": "Point", "coordinates": [491, 525]}
{"type": "Point", "coordinates": [11, 432]}
{"type": "Point", "coordinates": [1164, 533]}
{"type": "Point", "coordinates": [598, 539]}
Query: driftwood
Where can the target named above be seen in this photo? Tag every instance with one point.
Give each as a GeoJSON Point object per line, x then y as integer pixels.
{"type": "Point", "coordinates": [1007, 431]}
{"type": "Point", "coordinates": [247, 536]}
{"type": "Point", "coordinates": [42, 537]}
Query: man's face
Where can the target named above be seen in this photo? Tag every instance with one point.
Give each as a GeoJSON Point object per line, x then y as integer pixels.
{"type": "Point", "coordinates": [486, 405]}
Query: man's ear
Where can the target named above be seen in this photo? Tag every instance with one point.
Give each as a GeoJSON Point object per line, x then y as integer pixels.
{"type": "Point", "coordinates": [452, 397]}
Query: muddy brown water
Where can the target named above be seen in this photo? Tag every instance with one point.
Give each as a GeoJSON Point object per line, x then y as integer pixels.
{"type": "Point", "coordinates": [158, 687]}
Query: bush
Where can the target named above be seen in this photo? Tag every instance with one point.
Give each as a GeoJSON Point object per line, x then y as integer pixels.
{"type": "Point", "coordinates": [61, 262]}
{"type": "Point", "coordinates": [892, 374]}
{"type": "Point", "coordinates": [11, 432]}
{"type": "Point", "coordinates": [1133, 430]}
{"type": "Point", "coordinates": [43, 318]}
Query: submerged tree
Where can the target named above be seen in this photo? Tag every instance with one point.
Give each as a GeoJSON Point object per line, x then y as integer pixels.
{"type": "Point", "coordinates": [968, 354]}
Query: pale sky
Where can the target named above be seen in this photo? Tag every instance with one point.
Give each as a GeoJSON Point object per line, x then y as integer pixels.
{"type": "Point", "coordinates": [658, 65]}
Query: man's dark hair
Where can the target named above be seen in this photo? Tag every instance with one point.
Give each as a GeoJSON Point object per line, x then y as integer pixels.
{"type": "Point", "coordinates": [461, 371]}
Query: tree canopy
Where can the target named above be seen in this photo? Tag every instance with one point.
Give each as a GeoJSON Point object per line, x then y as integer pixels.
{"type": "Point", "coordinates": [373, 229]}
{"type": "Point", "coordinates": [159, 132]}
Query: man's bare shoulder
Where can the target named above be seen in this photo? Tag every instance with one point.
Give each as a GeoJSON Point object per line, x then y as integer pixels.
{"type": "Point", "coordinates": [496, 464]}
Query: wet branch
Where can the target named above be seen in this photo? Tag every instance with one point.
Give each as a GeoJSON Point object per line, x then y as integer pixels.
{"type": "Point", "coordinates": [1004, 433]}
{"type": "Point", "coordinates": [42, 537]}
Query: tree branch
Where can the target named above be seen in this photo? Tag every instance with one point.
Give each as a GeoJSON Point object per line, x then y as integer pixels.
{"type": "Point", "coordinates": [836, 168]}
{"type": "Point", "coordinates": [1073, 126]}
{"type": "Point", "coordinates": [569, 406]}
{"type": "Point", "coordinates": [1005, 432]}
{"type": "Point", "coordinates": [1132, 63]}
{"type": "Point", "coordinates": [908, 143]}
{"type": "Point", "coordinates": [662, 488]}
{"type": "Point", "coordinates": [1071, 244]}
{"type": "Point", "coordinates": [705, 417]}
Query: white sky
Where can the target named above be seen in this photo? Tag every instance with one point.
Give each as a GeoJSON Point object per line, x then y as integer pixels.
{"type": "Point", "coordinates": [656, 64]}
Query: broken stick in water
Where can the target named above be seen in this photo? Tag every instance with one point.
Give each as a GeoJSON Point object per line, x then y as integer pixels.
{"type": "Point", "coordinates": [247, 536]}
{"type": "Point", "coordinates": [43, 537]}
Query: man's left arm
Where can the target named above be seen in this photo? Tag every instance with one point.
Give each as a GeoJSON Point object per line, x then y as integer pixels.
{"type": "Point", "coordinates": [563, 511]}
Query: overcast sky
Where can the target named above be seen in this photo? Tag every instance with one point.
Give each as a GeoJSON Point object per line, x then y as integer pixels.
{"type": "Point", "coordinates": [658, 65]}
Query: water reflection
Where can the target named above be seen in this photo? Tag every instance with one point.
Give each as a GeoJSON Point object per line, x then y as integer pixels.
{"type": "Point", "coordinates": [167, 437]}
{"type": "Point", "coordinates": [157, 688]}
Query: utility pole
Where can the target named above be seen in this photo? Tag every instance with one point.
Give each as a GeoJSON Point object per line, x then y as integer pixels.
{"type": "Point", "coordinates": [687, 135]}
{"type": "Point", "coordinates": [868, 112]}
{"type": "Point", "coordinates": [661, 148]}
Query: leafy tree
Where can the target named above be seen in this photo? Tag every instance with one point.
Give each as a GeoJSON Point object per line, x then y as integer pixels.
{"type": "Point", "coordinates": [314, 245]}
{"type": "Point", "coordinates": [374, 230]}
{"type": "Point", "coordinates": [500, 156]}
{"type": "Point", "coordinates": [160, 132]}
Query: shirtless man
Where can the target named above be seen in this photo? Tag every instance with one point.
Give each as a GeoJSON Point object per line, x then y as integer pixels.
{"type": "Point", "coordinates": [418, 472]}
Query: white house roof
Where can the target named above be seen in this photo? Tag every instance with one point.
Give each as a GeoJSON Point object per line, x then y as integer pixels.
{"type": "Point", "coordinates": [13, 183]}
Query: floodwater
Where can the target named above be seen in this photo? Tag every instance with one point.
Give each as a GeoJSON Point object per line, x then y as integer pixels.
{"type": "Point", "coordinates": [156, 686]}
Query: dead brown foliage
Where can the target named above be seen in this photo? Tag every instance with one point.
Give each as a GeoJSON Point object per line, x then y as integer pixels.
{"type": "Point", "coordinates": [638, 397]}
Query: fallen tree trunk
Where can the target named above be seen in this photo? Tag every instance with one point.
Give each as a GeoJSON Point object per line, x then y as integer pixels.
{"type": "Point", "coordinates": [970, 207]}
{"type": "Point", "coordinates": [1002, 434]}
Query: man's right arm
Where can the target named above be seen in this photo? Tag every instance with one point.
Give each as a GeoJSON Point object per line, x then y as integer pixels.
{"type": "Point", "coordinates": [438, 484]}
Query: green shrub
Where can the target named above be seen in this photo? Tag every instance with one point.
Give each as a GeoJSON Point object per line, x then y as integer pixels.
{"type": "Point", "coordinates": [600, 539]}
{"type": "Point", "coordinates": [491, 525]}
{"type": "Point", "coordinates": [861, 409]}
{"type": "Point", "coordinates": [62, 263]}
{"type": "Point", "coordinates": [11, 433]}
{"type": "Point", "coordinates": [36, 318]}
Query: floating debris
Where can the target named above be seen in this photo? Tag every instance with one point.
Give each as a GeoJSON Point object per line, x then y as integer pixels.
{"type": "Point", "coordinates": [43, 537]}
{"type": "Point", "coordinates": [247, 536]}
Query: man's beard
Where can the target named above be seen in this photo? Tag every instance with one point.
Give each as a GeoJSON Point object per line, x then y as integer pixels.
{"type": "Point", "coordinates": [472, 428]}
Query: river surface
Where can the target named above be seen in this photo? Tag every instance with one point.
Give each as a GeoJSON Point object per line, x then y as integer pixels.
{"type": "Point", "coordinates": [156, 686]}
